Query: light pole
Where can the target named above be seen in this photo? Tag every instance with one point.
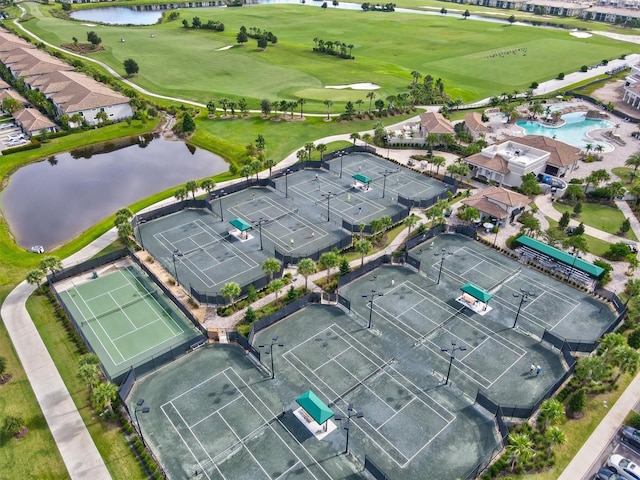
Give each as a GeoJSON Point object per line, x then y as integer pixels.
{"type": "Point", "coordinates": [140, 222]}
{"type": "Point", "coordinates": [259, 223]}
{"type": "Point", "coordinates": [351, 413]}
{"type": "Point", "coordinates": [328, 196]}
{"type": "Point", "coordinates": [444, 252]}
{"type": "Point", "coordinates": [370, 297]}
{"type": "Point", "coordinates": [269, 350]}
{"type": "Point", "coordinates": [286, 183]}
{"type": "Point", "coordinates": [176, 253]}
{"type": "Point", "coordinates": [140, 408]}
{"type": "Point", "coordinates": [524, 298]}
{"type": "Point", "coordinates": [384, 182]}
{"type": "Point", "coordinates": [341, 155]}
{"type": "Point", "coordinates": [573, 264]}
{"type": "Point", "coordinates": [452, 351]}
{"type": "Point", "coordinates": [220, 195]}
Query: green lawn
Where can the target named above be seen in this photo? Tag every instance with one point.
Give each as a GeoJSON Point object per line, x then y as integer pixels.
{"type": "Point", "coordinates": [456, 50]}
{"type": "Point", "coordinates": [595, 246]}
{"type": "Point", "coordinates": [603, 217]}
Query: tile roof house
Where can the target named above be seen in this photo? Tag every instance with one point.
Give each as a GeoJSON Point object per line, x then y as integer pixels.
{"type": "Point", "coordinates": [27, 62]}
{"type": "Point", "coordinates": [497, 202]}
{"type": "Point", "coordinates": [507, 162]}
{"type": "Point", "coordinates": [433, 122]}
{"type": "Point", "coordinates": [75, 93]}
{"type": "Point", "coordinates": [473, 124]}
{"type": "Point", "coordinates": [9, 42]}
{"type": "Point", "coordinates": [10, 93]}
{"type": "Point", "coordinates": [33, 122]}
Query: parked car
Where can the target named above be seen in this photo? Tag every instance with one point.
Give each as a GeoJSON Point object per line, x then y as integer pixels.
{"type": "Point", "coordinates": [632, 246]}
{"type": "Point", "coordinates": [606, 474]}
{"type": "Point", "coordinates": [15, 136]}
{"type": "Point", "coordinates": [37, 249]}
{"type": "Point", "coordinates": [623, 467]}
{"type": "Point", "coordinates": [631, 435]}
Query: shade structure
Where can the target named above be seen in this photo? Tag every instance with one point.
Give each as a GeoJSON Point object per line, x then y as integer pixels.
{"type": "Point", "coordinates": [361, 178]}
{"type": "Point", "coordinates": [315, 407]}
{"type": "Point", "coordinates": [476, 292]}
{"type": "Point", "coordinates": [240, 224]}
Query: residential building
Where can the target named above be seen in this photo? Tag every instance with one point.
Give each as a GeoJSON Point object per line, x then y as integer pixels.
{"type": "Point", "coordinates": [32, 122]}
{"type": "Point", "coordinates": [497, 202]}
{"type": "Point", "coordinates": [474, 125]}
{"type": "Point", "coordinates": [507, 162]}
{"type": "Point", "coordinates": [28, 62]}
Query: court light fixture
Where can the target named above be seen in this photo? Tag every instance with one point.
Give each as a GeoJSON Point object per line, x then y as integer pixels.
{"type": "Point", "coordinates": [141, 409]}
{"type": "Point", "coordinates": [444, 254]}
{"type": "Point", "coordinates": [351, 413]}
{"type": "Point", "coordinates": [524, 298]}
{"type": "Point", "coordinates": [452, 351]}
{"type": "Point", "coordinates": [328, 196]}
{"type": "Point", "coordinates": [370, 297]}
{"type": "Point", "coordinates": [269, 351]}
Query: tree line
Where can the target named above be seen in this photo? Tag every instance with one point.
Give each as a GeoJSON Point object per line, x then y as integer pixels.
{"type": "Point", "coordinates": [196, 23]}
{"type": "Point", "coordinates": [335, 48]}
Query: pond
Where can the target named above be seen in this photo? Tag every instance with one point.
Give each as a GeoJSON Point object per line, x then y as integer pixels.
{"type": "Point", "coordinates": [129, 16]}
{"type": "Point", "coordinates": [117, 16]}
{"type": "Point", "coordinates": [50, 202]}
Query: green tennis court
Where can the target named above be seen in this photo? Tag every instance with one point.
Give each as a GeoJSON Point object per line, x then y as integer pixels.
{"type": "Point", "coordinates": [126, 319]}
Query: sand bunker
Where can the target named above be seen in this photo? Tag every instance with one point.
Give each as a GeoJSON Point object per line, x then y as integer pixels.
{"type": "Point", "coordinates": [580, 34]}
{"type": "Point", "coordinates": [355, 86]}
{"type": "Point", "coordinates": [224, 48]}
{"type": "Point", "coordinates": [89, 24]}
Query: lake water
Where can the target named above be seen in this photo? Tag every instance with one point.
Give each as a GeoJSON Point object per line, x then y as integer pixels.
{"type": "Point", "coordinates": [117, 16]}
{"type": "Point", "coordinates": [50, 202]}
{"type": "Point", "coordinates": [128, 16]}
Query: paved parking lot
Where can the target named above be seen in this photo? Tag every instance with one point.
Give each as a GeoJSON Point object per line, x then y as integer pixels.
{"type": "Point", "coordinates": [11, 135]}
{"type": "Point", "coordinates": [615, 446]}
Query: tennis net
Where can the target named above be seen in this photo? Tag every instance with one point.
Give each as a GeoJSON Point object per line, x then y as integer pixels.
{"type": "Point", "coordinates": [284, 215]}
{"type": "Point", "coordinates": [139, 298]}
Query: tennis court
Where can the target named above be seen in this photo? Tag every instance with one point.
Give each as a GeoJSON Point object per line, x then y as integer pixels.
{"type": "Point", "coordinates": [215, 413]}
{"type": "Point", "coordinates": [551, 305]}
{"type": "Point", "coordinates": [125, 318]}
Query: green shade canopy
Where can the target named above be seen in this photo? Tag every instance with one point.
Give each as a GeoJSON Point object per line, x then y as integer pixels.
{"type": "Point", "coordinates": [476, 292]}
{"type": "Point", "coordinates": [577, 263]}
{"type": "Point", "coordinates": [361, 178]}
{"type": "Point", "coordinates": [315, 407]}
{"type": "Point", "coordinates": [240, 224]}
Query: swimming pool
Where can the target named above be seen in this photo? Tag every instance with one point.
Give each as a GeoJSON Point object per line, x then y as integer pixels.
{"type": "Point", "coordinates": [573, 132]}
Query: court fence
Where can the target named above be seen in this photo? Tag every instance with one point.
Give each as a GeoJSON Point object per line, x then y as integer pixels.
{"type": "Point", "coordinates": [265, 322]}
{"type": "Point", "coordinates": [395, 218]}
{"type": "Point", "coordinates": [428, 202]}
{"type": "Point", "coordinates": [186, 312]}
{"type": "Point", "coordinates": [422, 237]}
{"type": "Point", "coordinates": [126, 386]}
{"type": "Point", "coordinates": [87, 265]}
{"type": "Point", "coordinates": [294, 258]}
{"type": "Point", "coordinates": [366, 268]}
{"type": "Point", "coordinates": [375, 472]}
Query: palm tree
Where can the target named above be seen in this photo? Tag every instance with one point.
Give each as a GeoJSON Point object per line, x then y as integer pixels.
{"type": "Point", "coordinates": [552, 412]}
{"type": "Point", "coordinates": [309, 147]}
{"type": "Point", "coordinates": [103, 395]}
{"type": "Point", "coordinates": [416, 76]}
{"type": "Point", "coordinates": [591, 369]}
{"type": "Point", "coordinates": [438, 162]}
{"type": "Point", "coordinates": [34, 277]}
{"type": "Point", "coordinates": [354, 136]}
{"type": "Point", "coordinates": [370, 96]}
{"type": "Point", "coordinates": [231, 291]}
{"type": "Point", "coordinates": [301, 102]}
{"type": "Point", "coordinates": [306, 267]}
{"type": "Point", "coordinates": [361, 228]}
{"type": "Point", "coordinates": [224, 102]}
{"type": "Point", "coordinates": [520, 448]}
{"type": "Point", "coordinates": [359, 103]}
{"type": "Point", "coordinates": [366, 138]}
{"type": "Point", "coordinates": [180, 194]}
{"type": "Point", "coordinates": [271, 266]}
{"type": "Point", "coordinates": [328, 260]}
{"type": "Point", "coordinates": [321, 147]}
{"type": "Point", "coordinates": [376, 226]}
{"type": "Point", "coordinates": [50, 264]}
{"type": "Point", "coordinates": [90, 374]}
{"type": "Point", "coordinates": [328, 103]}
{"type": "Point", "coordinates": [386, 222]}
{"type": "Point", "coordinates": [208, 184]}
{"type": "Point", "coordinates": [608, 343]}
{"type": "Point", "coordinates": [409, 222]}
{"type": "Point", "coordinates": [363, 247]}
{"type": "Point", "coordinates": [554, 436]}
{"type": "Point", "coordinates": [633, 161]}
{"type": "Point", "coordinates": [192, 186]}
{"type": "Point", "coordinates": [270, 163]}
{"type": "Point", "coordinates": [275, 286]}
{"type": "Point", "coordinates": [627, 359]}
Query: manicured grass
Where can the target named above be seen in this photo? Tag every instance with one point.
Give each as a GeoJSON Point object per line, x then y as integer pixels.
{"type": "Point", "coordinates": [595, 246]}
{"type": "Point", "coordinates": [108, 438]}
{"type": "Point", "coordinates": [625, 175]}
{"type": "Point", "coordinates": [603, 217]}
{"type": "Point", "coordinates": [456, 50]}
{"type": "Point", "coordinates": [34, 456]}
